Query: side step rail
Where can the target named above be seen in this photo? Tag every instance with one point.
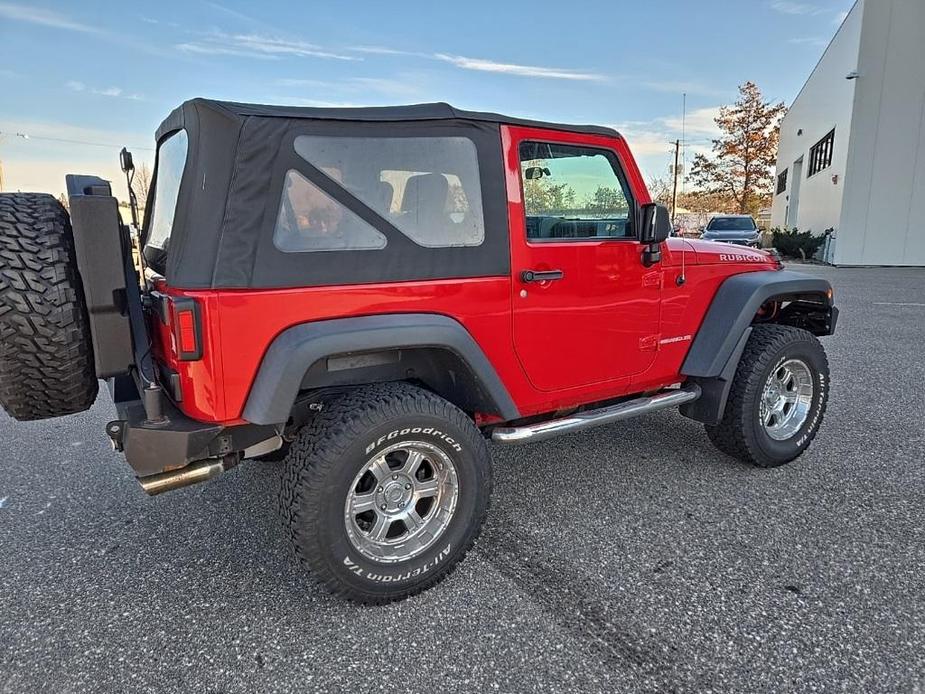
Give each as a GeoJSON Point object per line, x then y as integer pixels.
{"type": "Point", "coordinates": [541, 431]}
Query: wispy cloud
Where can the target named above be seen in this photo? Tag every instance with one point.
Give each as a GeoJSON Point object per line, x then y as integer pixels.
{"type": "Point", "coordinates": [652, 141]}
{"type": "Point", "coordinates": [797, 8]}
{"type": "Point", "coordinates": [43, 17]}
{"type": "Point", "coordinates": [258, 46]}
{"type": "Point", "coordinates": [211, 48]}
{"type": "Point", "coordinates": [814, 41]}
{"type": "Point", "coordinates": [699, 122]}
{"type": "Point", "coordinates": [646, 138]}
{"type": "Point", "coordinates": [840, 17]}
{"type": "Point", "coordinates": [160, 22]}
{"type": "Point", "coordinates": [385, 50]}
{"type": "Point", "coordinates": [76, 86]}
{"type": "Point", "coordinates": [233, 13]}
{"type": "Point", "coordinates": [484, 65]}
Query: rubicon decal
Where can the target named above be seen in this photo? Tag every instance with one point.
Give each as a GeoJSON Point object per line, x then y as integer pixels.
{"type": "Point", "coordinates": [742, 257]}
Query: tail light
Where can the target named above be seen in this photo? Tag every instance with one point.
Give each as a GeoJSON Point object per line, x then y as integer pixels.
{"type": "Point", "coordinates": [187, 328]}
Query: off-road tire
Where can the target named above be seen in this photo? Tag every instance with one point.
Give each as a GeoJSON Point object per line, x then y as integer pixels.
{"type": "Point", "coordinates": [46, 356]}
{"type": "Point", "coordinates": [331, 450]}
{"type": "Point", "coordinates": [740, 432]}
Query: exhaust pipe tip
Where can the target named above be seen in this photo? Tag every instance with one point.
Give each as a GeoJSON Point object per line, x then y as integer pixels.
{"type": "Point", "coordinates": [193, 473]}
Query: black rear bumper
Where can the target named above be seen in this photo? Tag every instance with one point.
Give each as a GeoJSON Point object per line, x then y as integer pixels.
{"type": "Point", "coordinates": [177, 440]}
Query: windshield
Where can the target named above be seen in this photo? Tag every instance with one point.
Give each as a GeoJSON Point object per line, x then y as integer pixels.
{"type": "Point", "coordinates": [171, 159]}
{"type": "Point", "coordinates": [731, 224]}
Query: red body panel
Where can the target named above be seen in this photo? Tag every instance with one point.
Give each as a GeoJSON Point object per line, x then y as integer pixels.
{"type": "Point", "coordinates": [584, 329]}
{"type": "Point", "coordinates": [611, 327]}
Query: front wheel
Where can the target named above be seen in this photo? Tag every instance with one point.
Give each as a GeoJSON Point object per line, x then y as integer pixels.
{"type": "Point", "coordinates": [777, 399]}
{"type": "Point", "coordinates": [385, 491]}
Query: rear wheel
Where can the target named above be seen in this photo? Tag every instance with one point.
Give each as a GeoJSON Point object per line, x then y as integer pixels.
{"type": "Point", "coordinates": [46, 356]}
{"type": "Point", "coordinates": [385, 491]}
{"type": "Point", "coordinates": [778, 397]}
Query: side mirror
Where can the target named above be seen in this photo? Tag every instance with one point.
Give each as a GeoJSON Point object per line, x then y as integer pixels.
{"type": "Point", "coordinates": [654, 228]}
{"type": "Point", "coordinates": [125, 161]}
{"type": "Point", "coordinates": [531, 173]}
{"type": "Point", "coordinates": [655, 224]}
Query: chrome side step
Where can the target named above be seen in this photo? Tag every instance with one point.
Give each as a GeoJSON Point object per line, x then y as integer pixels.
{"type": "Point", "coordinates": [592, 418]}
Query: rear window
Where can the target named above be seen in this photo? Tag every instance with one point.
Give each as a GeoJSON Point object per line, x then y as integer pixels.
{"type": "Point", "coordinates": [426, 187]}
{"type": "Point", "coordinates": [731, 224]}
{"type": "Point", "coordinates": [171, 160]}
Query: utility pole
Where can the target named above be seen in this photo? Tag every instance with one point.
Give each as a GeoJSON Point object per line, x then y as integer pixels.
{"type": "Point", "coordinates": [674, 187]}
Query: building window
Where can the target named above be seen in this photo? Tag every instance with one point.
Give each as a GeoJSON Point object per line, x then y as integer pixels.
{"type": "Point", "coordinates": [820, 154]}
{"type": "Point", "coordinates": [782, 182]}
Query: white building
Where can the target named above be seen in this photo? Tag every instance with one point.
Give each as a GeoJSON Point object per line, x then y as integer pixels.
{"type": "Point", "coordinates": [852, 148]}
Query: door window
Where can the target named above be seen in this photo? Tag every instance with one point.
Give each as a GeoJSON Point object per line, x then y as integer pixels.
{"type": "Point", "coordinates": [574, 193]}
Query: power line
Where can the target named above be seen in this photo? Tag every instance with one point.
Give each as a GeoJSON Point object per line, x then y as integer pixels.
{"type": "Point", "coordinates": [26, 136]}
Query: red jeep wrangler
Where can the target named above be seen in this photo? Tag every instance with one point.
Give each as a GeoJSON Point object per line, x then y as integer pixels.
{"type": "Point", "coordinates": [371, 294]}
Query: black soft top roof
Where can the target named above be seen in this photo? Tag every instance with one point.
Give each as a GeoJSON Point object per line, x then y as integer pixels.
{"type": "Point", "coordinates": [237, 161]}
{"type": "Point", "coordinates": [370, 114]}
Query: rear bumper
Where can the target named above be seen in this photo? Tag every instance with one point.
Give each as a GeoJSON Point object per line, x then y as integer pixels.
{"type": "Point", "coordinates": [176, 441]}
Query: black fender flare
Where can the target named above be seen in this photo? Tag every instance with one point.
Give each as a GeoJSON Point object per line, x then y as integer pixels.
{"type": "Point", "coordinates": [295, 350]}
{"type": "Point", "coordinates": [720, 341]}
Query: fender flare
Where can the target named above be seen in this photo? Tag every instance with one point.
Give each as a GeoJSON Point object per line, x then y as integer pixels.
{"type": "Point", "coordinates": [732, 310]}
{"type": "Point", "coordinates": [295, 350]}
{"type": "Point", "coordinates": [714, 355]}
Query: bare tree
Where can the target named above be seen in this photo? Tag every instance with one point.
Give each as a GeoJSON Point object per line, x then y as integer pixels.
{"type": "Point", "coordinates": [660, 190]}
{"type": "Point", "coordinates": [741, 166]}
{"type": "Point", "coordinates": [141, 184]}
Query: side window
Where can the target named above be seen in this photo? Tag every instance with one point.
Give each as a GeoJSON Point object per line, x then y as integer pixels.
{"type": "Point", "coordinates": [426, 187]}
{"type": "Point", "coordinates": [310, 220]}
{"type": "Point", "coordinates": [573, 192]}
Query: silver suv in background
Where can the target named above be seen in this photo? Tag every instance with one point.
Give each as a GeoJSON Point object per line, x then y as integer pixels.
{"type": "Point", "coordinates": [739, 229]}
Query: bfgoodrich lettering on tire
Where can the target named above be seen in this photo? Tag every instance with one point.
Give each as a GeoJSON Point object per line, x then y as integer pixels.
{"type": "Point", "coordinates": [777, 399]}
{"type": "Point", "coordinates": [385, 491]}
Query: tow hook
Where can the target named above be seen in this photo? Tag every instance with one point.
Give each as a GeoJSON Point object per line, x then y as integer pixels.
{"type": "Point", "coordinates": [116, 430]}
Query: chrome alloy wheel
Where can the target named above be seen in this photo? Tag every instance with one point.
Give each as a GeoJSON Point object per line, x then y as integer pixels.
{"type": "Point", "coordinates": [401, 501]}
{"type": "Point", "coordinates": [786, 399]}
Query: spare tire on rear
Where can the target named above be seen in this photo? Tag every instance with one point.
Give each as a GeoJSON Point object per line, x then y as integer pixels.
{"type": "Point", "coordinates": [46, 356]}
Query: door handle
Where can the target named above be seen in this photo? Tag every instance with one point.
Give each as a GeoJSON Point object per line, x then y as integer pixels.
{"type": "Point", "coordinates": [541, 275]}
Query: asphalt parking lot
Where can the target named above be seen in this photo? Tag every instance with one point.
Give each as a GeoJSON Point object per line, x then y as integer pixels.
{"type": "Point", "coordinates": [630, 558]}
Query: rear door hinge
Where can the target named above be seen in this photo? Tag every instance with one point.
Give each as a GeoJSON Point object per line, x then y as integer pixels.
{"type": "Point", "coordinates": [649, 343]}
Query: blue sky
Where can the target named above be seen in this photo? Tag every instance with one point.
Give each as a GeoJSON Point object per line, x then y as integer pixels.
{"type": "Point", "coordinates": [107, 73]}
